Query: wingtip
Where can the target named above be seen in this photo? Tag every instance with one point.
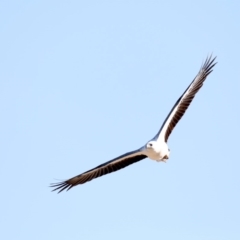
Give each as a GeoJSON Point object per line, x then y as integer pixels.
{"type": "Point", "coordinates": [208, 64]}
{"type": "Point", "coordinates": [61, 186]}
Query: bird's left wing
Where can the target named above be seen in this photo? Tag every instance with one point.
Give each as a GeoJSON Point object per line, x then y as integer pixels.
{"type": "Point", "coordinates": [184, 101]}
{"type": "Point", "coordinates": [103, 169]}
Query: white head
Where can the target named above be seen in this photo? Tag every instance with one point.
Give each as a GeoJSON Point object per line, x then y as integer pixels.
{"type": "Point", "coordinates": [157, 151]}
{"type": "Point", "coordinates": [151, 145]}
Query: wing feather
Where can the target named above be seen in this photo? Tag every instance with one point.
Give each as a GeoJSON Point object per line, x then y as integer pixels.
{"type": "Point", "coordinates": [184, 101]}
{"type": "Point", "coordinates": [103, 169]}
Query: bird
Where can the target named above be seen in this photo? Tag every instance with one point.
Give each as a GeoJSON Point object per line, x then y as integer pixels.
{"type": "Point", "coordinates": [155, 149]}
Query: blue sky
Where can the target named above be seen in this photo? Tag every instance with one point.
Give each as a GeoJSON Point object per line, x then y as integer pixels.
{"type": "Point", "coordinates": [82, 82]}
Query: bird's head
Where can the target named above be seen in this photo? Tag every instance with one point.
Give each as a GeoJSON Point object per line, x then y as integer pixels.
{"type": "Point", "coordinates": [150, 144]}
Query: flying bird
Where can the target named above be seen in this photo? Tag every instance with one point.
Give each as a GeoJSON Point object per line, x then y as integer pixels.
{"type": "Point", "coordinates": [155, 149]}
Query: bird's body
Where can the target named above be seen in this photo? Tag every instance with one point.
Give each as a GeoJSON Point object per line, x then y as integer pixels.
{"type": "Point", "coordinates": [155, 149]}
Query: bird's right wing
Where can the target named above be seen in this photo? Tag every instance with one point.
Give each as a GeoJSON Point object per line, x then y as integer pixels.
{"type": "Point", "coordinates": [103, 169]}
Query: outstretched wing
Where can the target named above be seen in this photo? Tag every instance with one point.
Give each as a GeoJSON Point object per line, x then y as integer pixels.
{"type": "Point", "coordinates": [184, 101]}
{"type": "Point", "coordinates": [103, 169]}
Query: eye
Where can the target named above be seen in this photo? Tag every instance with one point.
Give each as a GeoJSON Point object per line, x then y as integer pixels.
{"type": "Point", "coordinates": [150, 144]}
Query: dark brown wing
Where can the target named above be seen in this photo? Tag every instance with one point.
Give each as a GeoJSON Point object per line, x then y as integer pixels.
{"type": "Point", "coordinates": [103, 169]}
{"type": "Point", "coordinates": [184, 101]}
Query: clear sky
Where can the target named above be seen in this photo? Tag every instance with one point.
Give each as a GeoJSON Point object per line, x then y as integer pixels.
{"type": "Point", "coordinates": [82, 82]}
